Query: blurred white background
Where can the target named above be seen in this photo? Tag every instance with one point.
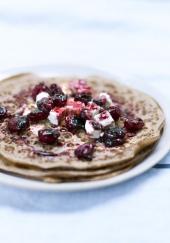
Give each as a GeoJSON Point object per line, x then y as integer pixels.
{"type": "Point", "coordinates": [127, 36]}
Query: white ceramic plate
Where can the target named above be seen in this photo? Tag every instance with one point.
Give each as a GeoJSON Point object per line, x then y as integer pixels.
{"type": "Point", "coordinates": [62, 70]}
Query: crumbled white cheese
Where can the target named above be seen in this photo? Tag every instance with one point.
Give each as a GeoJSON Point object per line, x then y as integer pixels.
{"type": "Point", "coordinates": [53, 117]}
{"type": "Point", "coordinates": [107, 97]}
{"type": "Point", "coordinates": [91, 131]}
{"type": "Point", "coordinates": [104, 118]}
{"type": "Point", "coordinates": [41, 95]}
{"type": "Point", "coordinates": [26, 111]}
{"type": "Point", "coordinates": [93, 108]}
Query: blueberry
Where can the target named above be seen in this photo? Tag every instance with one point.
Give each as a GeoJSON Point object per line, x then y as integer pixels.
{"type": "Point", "coordinates": [113, 142]}
{"type": "Point", "coordinates": [113, 136]}
{"type": "Point", "coordinates": [117, 132]}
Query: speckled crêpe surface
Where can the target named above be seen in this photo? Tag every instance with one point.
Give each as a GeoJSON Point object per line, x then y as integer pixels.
{"type": "Point", "coordinates": [61, 175]}
{"type": "Point", "coordinates": [15, 95]}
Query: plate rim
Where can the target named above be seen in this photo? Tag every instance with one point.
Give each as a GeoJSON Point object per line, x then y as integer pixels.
{"type": "Point", "coordinates": [158, 154]}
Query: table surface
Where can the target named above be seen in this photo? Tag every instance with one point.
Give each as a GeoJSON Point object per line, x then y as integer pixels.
{"type": "Point", "coordinates": [129, 38]}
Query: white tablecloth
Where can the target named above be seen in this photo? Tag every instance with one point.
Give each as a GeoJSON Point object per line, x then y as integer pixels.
{"type": "Point", "coordinates": [129, 38]}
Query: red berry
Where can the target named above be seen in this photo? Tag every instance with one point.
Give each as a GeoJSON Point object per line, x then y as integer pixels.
{"type": "Point", "coordinates": [18, 124]}
{"type": "Point", "coordinates": [85, 152]}
{"type": "Point", "coordinates": [45, 105]}
{"type": "Point", "coordinates": [55, 89]}
{"type": "Point", "coordinates": [48, 136]}
{"type": "Point", "coordinates": [133, 124]}
{"type": "Point", "coordinates": [39, 88]}
{"type": "Point", "coordinates": [37, 115]}
{"type": "Point", "coordinates": [115, 112]}
{"type": "Point", "coordinates": [59, 100]}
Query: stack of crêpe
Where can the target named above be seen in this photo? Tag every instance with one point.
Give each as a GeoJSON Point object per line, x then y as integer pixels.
{"type": "Point", "coordinates": [63, 129]}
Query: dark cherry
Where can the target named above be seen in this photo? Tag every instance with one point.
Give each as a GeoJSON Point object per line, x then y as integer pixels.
{"type": "Point", "coordinates": [55, 89]}
{"type": "Point", "coordinates": [74, 123]}
{"type": "Point", "coordinates": [115, 112]}
{"type": "Point", "coordinates": [83, 97]}
{"type": "Point", "coordinates": [37, 115]}
{"type": "Point", "coordinates": [39, 88]}
{"type": "Point", "coordinates": [48, 136]}
{"type": "Point", "coordinates": [113, 136]}
{"type": "Point", "coordinates": [45, 105]}
{"type": "Point", "coordinates": [85, 151]}
{"type": "Point", "coordinates": [59, 100]}
{"type": "Point", "coordinates": [18, 124]}
{"type": "Point", "coordinates": [3, 112]}
{"type": "Point", "coordinates": [133, 124]}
